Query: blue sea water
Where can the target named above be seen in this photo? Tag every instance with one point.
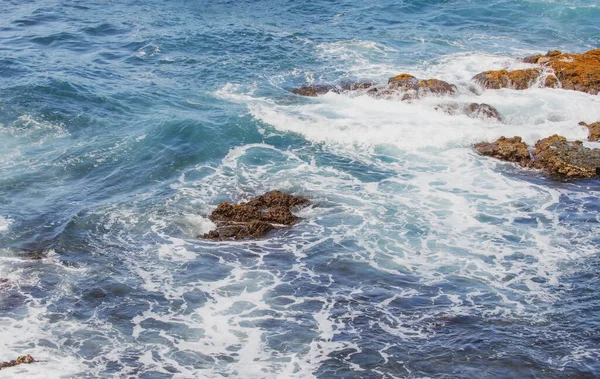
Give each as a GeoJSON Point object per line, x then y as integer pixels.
{"type": "Point", "coordinates": [124, 124]}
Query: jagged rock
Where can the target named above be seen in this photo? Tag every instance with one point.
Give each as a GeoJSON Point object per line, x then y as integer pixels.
{"type": "Point", "coordinates": [518, 79]}
{"type": "Point", "coordinates": [316, 90]}
{"type": "Point", "coordinates": [25, 359]}
{"type": "Point", "coordinates": [356, 86]}
{"type": "Point", "coordinates": [506, 149]}
{"type": "Point", "coordinates": [473, 110]}
{"type": "Point", "coordinates": [594, 128]}
{"type": "Point", "coordinates": [413, 87]}
{"type": "Point", "coordinates": [579, 72]}
{"type": "Point", "coordinates": [558, 156]}
{"type": "Point", "coordinates": [256, 217]}
{"type": "Point", "coordinates": [554, 154]}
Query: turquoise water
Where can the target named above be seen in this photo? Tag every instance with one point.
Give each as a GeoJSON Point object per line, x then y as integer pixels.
{"type": "Point", "coordinates": [124, 124]}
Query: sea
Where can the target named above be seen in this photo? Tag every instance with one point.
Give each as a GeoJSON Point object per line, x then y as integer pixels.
{"type": "Point", "coordinates": [123, 124]}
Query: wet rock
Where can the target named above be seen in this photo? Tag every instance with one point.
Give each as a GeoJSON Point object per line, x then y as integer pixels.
{"type": "Point", "coordinates": [473, 110]}
{"type": "Point", "coordinates": [255, 218]}
{"type": "Point", "coordinates": [25, 359]}
{"type": "Point", "coordinates": [356, 86]}
{"type": "Point", "coordinates": [506, 149]}
{"type": "Point", "coordinates": [518, 79]}
{"type": "Point", "coordinates": [579, 72]}
{"type": "Point", "coordinates": [316, 90]}
{"type": "Point", "coordinates": [594, 130]}
{"type": "Point", "coordinates": [414, 88]}
{"type": "Point", "coordinates": [558, 156]}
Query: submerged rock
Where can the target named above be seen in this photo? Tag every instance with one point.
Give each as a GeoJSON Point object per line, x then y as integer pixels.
{"type": "Point", "coordinates": [405, 85]}
{"type": "Point", "coordinates": [594, 128]}
{"type": "Point", "coordinates": [25, 359]}
{"type": "Point", "coordinates": [506, 149]}
{"type": "Point", "coordinates": [579, 72]}
{"type": "Point", "coordinates": [473, 110]}
{"type": "Point", "coordinates": [554, 155]}
{"type": "Point", "coordinates": [316, 90]}
{"type": "Point", "coordinates": [558, 156]}
{"type": "Point", "coordinates": [255, 218]}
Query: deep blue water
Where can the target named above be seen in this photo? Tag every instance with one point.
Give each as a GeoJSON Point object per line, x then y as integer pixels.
{"type": "Point", "coordinates": [123, 124]}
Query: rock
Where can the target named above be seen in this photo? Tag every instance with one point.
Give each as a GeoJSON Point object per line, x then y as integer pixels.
{"type": "Point", "coordinates": [316, 90]}
{"type": "Point", "coordinates": [483, 111]}
{"type": "Point", "coordinates": [518, 79]}
{"type": "Point", "coordinates": [414, 88]}
{"type": "Point", "coordinates": [594, 134]}
{"type": "Point", "coordinates": [356, 86]}
{"type": "Point", "coordinates": [579, 72]}
{"type": "Point", "coordinates": [558, 156]}
{"type": "Point", "coordinates": [25, 359]}
{"type": "Point", "coordinates": [506, 149]}
{"type": "Point", "coordinates": [473, 110]}
{"type": "Point", "coordinates": [554, 155]}
{"type": "Point", "coordinates": [255, 218]}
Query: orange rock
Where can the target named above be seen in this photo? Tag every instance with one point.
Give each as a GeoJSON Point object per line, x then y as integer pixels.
{"type": "Point", "coordinates": [506, 149]}
{"type": "Point", "coordinates": [594, 134]}
{"type": "Point", "coordinates": [518, 79]}
{"type": "Point", "coordinates": [579, 72]}
{"type": "Point", "coordinates": [558, 156]}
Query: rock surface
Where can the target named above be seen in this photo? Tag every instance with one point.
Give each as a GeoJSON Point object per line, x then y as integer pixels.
{"type": "Point", "coordinates": [255, 218]}
{"type": "Point", "coordinates": [405, 85]}
{"type": "Point", "coordinates": [473, 110]}
{"type": "Point", "coordinates": [316, 90]}
{"type": "Point", "coordinates": [554, 155]}
{"type": "Point", "coordinates": [518, 79]}
{"type": "Point", "coordinates": [558, 156]}
{"type": "Point", "coordinates": [506, 149]}
{"type": "Point", "coordinates": [579, 72]}
{"type": "Point", "coordinates": [25, 359]}
{"type": "Point", "coordinates": [594, 134]}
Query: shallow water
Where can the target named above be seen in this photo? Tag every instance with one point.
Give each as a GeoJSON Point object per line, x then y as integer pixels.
{"type": "Point", "coordinates": [123, 125]}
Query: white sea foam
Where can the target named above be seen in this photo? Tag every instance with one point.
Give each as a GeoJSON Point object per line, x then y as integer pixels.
{"type": "Point", "coordinates": [4, 224]}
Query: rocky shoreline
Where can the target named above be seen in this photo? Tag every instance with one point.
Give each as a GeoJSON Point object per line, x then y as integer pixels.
{"type": "Point", "coordinates": [554, 155]}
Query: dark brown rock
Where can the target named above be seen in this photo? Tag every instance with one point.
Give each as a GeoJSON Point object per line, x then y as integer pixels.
{"type": "Point", "coordinates": [316, 90]}
{"type": "Point", "coordinates": [558, 156]}
{"type": "Point", "coordinates": [472, 110]}
{"type": "Point", "coordinates": [483, 111]}
{"type": "Point", "coordinates": [25, 359]}
{"type": "Point", "coordinates": [594, 130]}
{"type": "Point", "coordinates": [506, 149]}
{"type": "Point", "coordinates": [255, 218]}
{"type": "Point", "coordinates": [413, 87]}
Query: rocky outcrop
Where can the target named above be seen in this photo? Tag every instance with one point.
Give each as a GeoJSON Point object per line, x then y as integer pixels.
{"type": "Point", "coordinates": [404, 85]}
{"type": "Point", "coordinates": [554, 155]}
{"type": "Point", "coordinates": [558, 156]}
{"type": "Point", "coordinates": [594, 130]}
{"type": "Point", "coordinates": [579, 72]}
{"type": "Point", "coordinates": [316, 90]}
{"type": "Point", "coordinates": [255, 218]}
{"type": "Point", "coordinates": [506, 149]}
{"type": "Point", "coordinates": [473, 110]}
{"type": "Point", "coordinates": [25, 359]}
{"type": "Point", "coordinates": [518, 79]}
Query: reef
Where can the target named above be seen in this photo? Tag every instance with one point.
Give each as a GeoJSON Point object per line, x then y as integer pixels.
{"type": "Point", "coordinates": [554, 155]}
{"type": "Point", "coordinates": [594, 130]}
{"type": "Point", "coordinates": [405, 85]}
{"type": "Point", "coordinates": [578, 72]}
{"type": "Point", "coordinates": [25, 359]}
{"type": "Point", "coordinates": [255, 218]}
